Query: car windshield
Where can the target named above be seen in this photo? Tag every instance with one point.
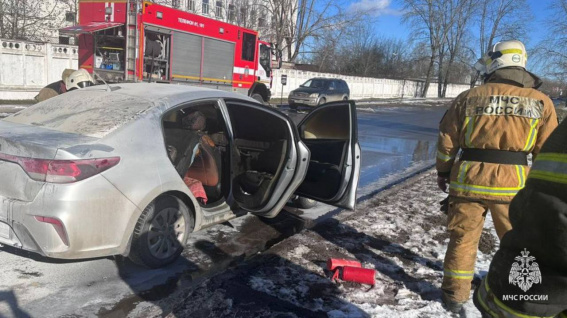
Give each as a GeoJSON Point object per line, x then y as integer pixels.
{"type": "Point", "coordinates": [93, 113]}
{"type": "Point", "coordinates": [314, 83]}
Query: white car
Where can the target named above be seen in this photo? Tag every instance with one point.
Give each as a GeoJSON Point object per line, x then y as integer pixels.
{"type": "Point", "coordinates": [133, 169]}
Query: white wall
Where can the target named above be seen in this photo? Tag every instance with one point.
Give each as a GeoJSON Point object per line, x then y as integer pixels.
{"type": "Point", "coordinates": [26, 67]}
{"type": "Point", "coordinates": [362, 87]}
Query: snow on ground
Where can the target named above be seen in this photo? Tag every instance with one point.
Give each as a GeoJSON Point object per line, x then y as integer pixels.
{"type": "Point", "coordinates": [407, 101]}
{"type": "Point", "coordinates": [400, 233]}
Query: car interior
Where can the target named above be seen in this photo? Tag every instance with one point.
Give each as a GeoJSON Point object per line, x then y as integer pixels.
{"type": "Point", "coordinates": [197, 145]}
{"type": "Point", "coordinates": [260, 153]}
{"type": "Point", "coordinates": [327, 135]}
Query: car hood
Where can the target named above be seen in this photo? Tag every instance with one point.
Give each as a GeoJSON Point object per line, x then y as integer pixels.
{"type": "Point", "coordinates": [308, 90]}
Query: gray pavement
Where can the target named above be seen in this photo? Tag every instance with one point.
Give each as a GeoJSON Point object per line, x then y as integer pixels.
{"type": "Point", "coordinates": [397, 142]}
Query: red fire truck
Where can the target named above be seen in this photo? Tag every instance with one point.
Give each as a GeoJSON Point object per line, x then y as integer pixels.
{"type": "Point", "coordinates": [134, 40]}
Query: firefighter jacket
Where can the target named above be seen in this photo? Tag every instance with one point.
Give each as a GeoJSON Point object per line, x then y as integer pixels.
{"type": "Point", "coordinates": [528, 275]}
{"type": "Point", "coordinates": [51, 90]}
{"type": "Point", "coordinates": [506, 113]}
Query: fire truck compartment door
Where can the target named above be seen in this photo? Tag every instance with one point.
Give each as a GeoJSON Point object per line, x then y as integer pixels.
{"type": "Point", "coordinates": [186, 56]}
{"type": "Point", "coordinates": [331, 134]}
{"type": "Point", "coordinates": [191, 51]}
{"type": "Point", "coordinates": [90, 27]}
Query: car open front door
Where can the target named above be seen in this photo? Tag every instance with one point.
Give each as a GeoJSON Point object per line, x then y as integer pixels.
{"type": "Point", "coordinates": [268, 162]}
{"type": "Point", "coordinates": [331, 134]}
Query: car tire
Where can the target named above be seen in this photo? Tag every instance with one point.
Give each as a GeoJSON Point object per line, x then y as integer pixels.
{"type": "Point", "coordinates": [322, 101]}
{"type": "Point", "coordinates": [293, 106]}
{"type": "Point", "coordinates": [258, 97]}
{"type": "Point", "coordinates": [163, 225]}
{"type": "Point", "coordinates": [345, 98]}
{"type": "Point", "coordinates": [304, 203]}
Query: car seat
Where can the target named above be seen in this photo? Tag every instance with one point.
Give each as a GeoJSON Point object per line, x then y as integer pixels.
{"type": "Point", "coordinates": [253, 187]}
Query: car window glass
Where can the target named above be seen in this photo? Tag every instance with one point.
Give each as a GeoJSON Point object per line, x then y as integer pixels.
{"type": "Point", "coordinates": [330, 123]}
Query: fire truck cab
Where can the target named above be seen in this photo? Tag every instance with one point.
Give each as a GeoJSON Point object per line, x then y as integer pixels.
{"type": "Point", "coordinates": [133, 40]}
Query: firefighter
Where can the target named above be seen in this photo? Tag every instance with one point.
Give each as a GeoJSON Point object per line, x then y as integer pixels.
{"type": "Point", "coordinates": [79, 79]}
{"type": "Point", "coordinates": [495, 125]}
{"type": "Point", "coordinates": [528, 275]}
{"type": "Point", "coordinates": [55, 88]}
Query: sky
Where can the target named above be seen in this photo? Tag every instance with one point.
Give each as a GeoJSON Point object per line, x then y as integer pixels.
{"type": "Point", "coordinates": [389, 16]}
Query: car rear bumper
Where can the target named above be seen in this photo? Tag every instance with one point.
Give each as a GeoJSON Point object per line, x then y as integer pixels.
{"type": "Point", "coordinates": [92, 217]}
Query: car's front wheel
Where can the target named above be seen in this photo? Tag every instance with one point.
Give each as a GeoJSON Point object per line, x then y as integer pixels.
{"type": "Point", "coordinates": [258, 97]}
{"type": "Point", "coordinates": [161, 232]}
{"type": "Point", "coordinates": [322, 101]}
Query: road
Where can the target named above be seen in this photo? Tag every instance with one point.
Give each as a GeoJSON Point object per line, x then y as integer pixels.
{"type": "Point", "coordinates": [397, 141]}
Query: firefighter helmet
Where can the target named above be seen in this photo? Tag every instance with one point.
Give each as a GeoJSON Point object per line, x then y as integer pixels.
{"type": "Point", "coordinates": [79, 79]}
{"type": "Point", "coordinates": [504, 54]}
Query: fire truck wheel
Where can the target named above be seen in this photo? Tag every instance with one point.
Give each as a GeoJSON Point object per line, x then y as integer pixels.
{"type": "Point", "coordinates": [258, 97]}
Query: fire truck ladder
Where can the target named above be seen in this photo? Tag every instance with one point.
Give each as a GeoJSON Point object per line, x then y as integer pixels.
{"type": "Point", "coordinates": [132, 43]}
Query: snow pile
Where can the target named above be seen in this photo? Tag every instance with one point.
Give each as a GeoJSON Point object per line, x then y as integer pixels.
{"type": "Point", "coordinates": [400, 233]}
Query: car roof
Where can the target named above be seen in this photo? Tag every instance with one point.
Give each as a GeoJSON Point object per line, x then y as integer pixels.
{"type": "Point", "coordinates": [172, 93]}
{"type": "Point", "coordinates": [98, 110]}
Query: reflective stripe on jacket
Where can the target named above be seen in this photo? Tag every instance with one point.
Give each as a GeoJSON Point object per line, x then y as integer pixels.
{"type": "Point", "coordinates": [499, 115]}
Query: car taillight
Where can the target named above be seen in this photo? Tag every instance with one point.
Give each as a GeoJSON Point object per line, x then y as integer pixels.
{"type": "Point", "coordinates": [61, 171]}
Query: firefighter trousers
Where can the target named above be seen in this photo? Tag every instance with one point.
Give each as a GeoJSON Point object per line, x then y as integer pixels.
{"type": "Point", "coordinates": [465, 221]}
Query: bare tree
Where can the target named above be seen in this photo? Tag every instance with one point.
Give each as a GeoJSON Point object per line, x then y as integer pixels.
{"type": "Point", "coordinates": [459, 12]}
{"type": "Point", "coordinates": [34, 20]}
{"type": "Point", "coordinates": [499, 19]}
{"type": "Point", "coordinates": [552, 50]}
{"type": "Point", "coordinates": [428, 18]}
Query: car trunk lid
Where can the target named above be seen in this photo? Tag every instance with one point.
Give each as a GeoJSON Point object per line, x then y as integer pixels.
{"type": "Point", "coordinates": [27, 141]}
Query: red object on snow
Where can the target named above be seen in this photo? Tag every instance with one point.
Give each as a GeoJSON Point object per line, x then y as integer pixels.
{"type": "Point", "coordinates": [358, 275]}
{"type": "Point", "coordinates": [196, 188]}
{"type": "Point", "coordinates": [333, 263]}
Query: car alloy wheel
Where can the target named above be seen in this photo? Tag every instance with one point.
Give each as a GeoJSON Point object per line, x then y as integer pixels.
{"type": "Point", "coordinates": [161, 232]}
{"type": "Point", "coordinates": [166, 232]}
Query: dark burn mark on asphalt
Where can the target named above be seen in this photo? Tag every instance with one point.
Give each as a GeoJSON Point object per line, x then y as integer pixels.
{"type": "Point", "coordinates": [24, 274]}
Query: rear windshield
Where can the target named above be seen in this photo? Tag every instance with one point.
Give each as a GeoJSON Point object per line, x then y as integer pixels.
{"type": "Point", "coordinates": [93, 113]}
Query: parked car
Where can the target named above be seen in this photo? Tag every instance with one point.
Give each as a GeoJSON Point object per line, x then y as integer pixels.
{"type": "Point", "coordinates": [133, 169]}
{"type": "Point", "coordinates": [317, 91]}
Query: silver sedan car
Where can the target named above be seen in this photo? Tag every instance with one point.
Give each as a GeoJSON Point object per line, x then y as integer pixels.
{"type": "Point", "coordinates": [133, 169]}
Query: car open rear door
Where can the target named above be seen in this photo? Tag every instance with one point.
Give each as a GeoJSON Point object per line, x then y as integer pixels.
{"type": "Point", "coordinates": [268, 161]}
{"type": "Point", "coordinates": [331, 134]}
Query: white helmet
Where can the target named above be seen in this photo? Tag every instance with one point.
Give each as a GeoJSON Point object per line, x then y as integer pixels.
{"type": "Point", "coordinates": [503, 54]}
{"type": "Point", "coordinates": [79, 79]}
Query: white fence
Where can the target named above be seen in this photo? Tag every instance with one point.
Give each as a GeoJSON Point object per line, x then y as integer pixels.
{"type": "Point", "coordinates": [361, 87]}
{"type": "Point", "coordinates": [26, 67]}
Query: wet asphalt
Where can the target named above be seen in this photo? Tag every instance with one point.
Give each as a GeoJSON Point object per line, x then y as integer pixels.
{"type": "Point", "coordinates": [397, 141]}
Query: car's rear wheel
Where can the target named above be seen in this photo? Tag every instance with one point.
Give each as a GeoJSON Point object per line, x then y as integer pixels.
{"type": "Point", "coordinates": [322, 101]}
{"type": "Point", "coordinates": [161, 232]}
